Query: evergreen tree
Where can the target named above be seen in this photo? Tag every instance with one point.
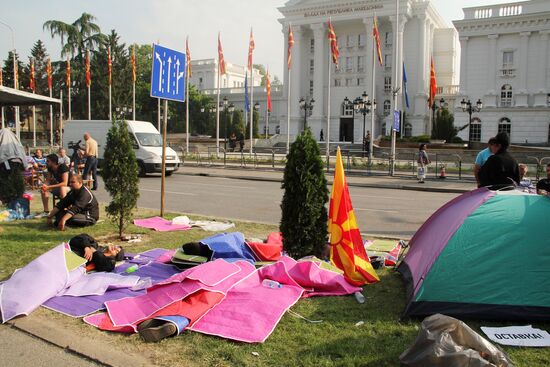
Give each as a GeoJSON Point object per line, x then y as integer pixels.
{"type": "Point", "coordinates": [237, 125]}
{"type": "Point", "coordinates": [8, 71]}
{"type": "Point", "coordinates": [120, 174]}
{"type": "Point", "coordinates": [40, 57]}
{"type": "Point", "coordinates": [255, 130]}
{"type": "Point", "coordinates": [444, 125]}
{"type": "Point", "coordinates": [304, 215]}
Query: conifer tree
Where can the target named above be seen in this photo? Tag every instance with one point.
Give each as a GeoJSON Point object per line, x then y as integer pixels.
{"type": "Point", "coordinates": [304, 215]}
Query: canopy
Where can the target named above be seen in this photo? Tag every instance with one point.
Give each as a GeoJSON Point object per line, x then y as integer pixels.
{"type": "Point", "coordinates": [15, 97]}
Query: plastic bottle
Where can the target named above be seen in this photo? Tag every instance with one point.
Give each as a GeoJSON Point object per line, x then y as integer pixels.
{"type": "Point", "coordinates": [359, 297]}
{"type": "Point", "coordinates": [131, 269]}
{"type": "Point", "coordinates": [271, 284]}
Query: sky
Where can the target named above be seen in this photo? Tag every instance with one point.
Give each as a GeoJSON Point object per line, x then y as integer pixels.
{"type": "Point", "coordinates": [170, 21]}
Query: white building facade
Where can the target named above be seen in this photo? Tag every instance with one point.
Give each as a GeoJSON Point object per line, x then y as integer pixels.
{"type": "Point", "coordinates": [505, 62]}
{"type": "Point", "coordinates": [205, 75]}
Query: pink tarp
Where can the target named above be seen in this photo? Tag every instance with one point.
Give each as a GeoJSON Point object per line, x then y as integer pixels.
{"type": "Point", "coordinates": [160, 224]}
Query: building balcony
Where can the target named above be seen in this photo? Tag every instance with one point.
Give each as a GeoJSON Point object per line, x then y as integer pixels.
{"type": "Point", "coordinates": [507, 72]}
{"type": "Point", "coordinates": [448, 90]}
{"type": "Point", "coordinates": [499, 10]}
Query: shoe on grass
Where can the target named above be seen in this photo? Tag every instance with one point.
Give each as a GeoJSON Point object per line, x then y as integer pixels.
{"type": "Point", "coordinates": [155, 330]}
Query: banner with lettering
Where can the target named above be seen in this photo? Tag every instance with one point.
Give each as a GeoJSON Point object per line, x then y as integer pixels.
{"type": "Point", "coordinates": [518, 336]}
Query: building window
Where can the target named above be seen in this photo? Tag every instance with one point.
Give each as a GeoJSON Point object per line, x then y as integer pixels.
{"type": "Point", "coordinates": [507, 59]}
{"type": "Point", "coordinates": [506, 95]}
{"type": "Point", "coordinates": [349, 40]}
{"type": "Point", "coordinates": [475, 133]}
{"type": "Point", "coordinates": [311, 87]}
{"type": "Point", "coordinates": [408, 129]}
{"type": "Point", "coordinates": [387, 84]}
{"type": "Point", "coordinates": [312, 45]}
{"type": "Point", "coordinates": [337, 83]}
{"type": "Point", "coordinates": [347, 110]}
{"type": "Point", "coordinates": [360, 81]}
{"type": "Point", "coordinates": [348, 82]}
{"type": "Point", "coordinates": [360, 64]}
{"type": "Point", "coordinates": [387, 62]}
{"type": "Point", "coordinates": [387, 107]}
{"type": "Point", "coordinates": [361, 40]}
{"type": "Point", "coordinates": [349, 64]}
{"type": "Point", "coordinates": [388, 39]}
{"type": "Point", "coordinates": [311, 67]}
{"type": "Point", "coordinates": [504, 126]}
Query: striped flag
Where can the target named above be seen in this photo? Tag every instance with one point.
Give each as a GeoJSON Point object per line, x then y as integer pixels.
{"type": "Point", "coordinates": [433, 84]}
{"type": "Point", "coordinates": [88, 75]}
{"type": "Point", "coordinates": [68, 73]}
{"type": "Point", "coordinates": [251, 47]}
{"type": "Point", "coordinates": [110, 65]}
{"type": "Point", "coordinates": [49, 73]}
{"type": "Point", "coordinates": [347, 251]}
{"type": "Point", "coordinates": [188, 58]}
{"type": "Point", "coordinates": [32, 81]}
{"type": "Point", "coordinates": [133, 60]}
{"type": "Point", "coordinates": [268, 90]}
{"type": "Point", "coordinates": [376, 36]}
{"type": "Point", "coordinates": [290, 45]}
{"type": "Point", "coordinates": [333, 44]}
{"type": "Point", "coordinates": [221, 60]}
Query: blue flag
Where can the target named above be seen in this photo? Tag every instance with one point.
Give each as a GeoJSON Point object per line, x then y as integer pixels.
{"type": "Point", "coordinates": [405, 86]}
{"type": "Point", "coordinates": [246, 100]}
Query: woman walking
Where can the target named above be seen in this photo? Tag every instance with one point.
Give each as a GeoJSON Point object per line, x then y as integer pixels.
{"type": "Point", "coordinates": [423, 161]}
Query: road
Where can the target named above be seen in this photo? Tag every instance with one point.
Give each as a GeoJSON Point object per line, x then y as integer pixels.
{"type": "Point", "coordinates": [395, 213]}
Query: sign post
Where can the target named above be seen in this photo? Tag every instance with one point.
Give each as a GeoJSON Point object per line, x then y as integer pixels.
{"type": "Point", "coordinates": [168, 83]}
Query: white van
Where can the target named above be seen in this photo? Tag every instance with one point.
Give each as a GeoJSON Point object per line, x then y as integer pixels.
{"type": "Point", "coordinates": [147, 143]}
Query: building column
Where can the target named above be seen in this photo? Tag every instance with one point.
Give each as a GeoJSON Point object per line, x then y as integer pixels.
{"type": "Point", "coordinates": [421, 95]}
{"type": "Point", "coordinates": [319, 71]}
{"type": "Point", "coordinates": [522, 95]}
{"type": "Point", "coordinates": [490, 98]}
{"type": "Point", "coordinates": [285, 55]}
{"type": "Point", "coordinates": [542, 90]}
{"type": "Point", "coordinates": [296, 80]}
{"type": "Point", "coordinates": [463, 66]}
{"type": "Point", "coordinates": [369, 44]}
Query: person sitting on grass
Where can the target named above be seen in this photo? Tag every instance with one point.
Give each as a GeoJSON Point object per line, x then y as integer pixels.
{"type": "Point", "coordinates": [98, 258]}
{"type": "Point", "coordinates": [57, 183]}
{"type": "Point", "coordinates": [78, 208]}
{"type": "Point", "coordinates": [543, 186]}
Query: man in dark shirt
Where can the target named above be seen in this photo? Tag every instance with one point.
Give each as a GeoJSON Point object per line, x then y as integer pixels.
{"type": "Point", "coordinates": [79, 208]}
{"type": "Point", "coordinates": [57, 182]}
{"type": "Point", "coordinates": [543, 186]}
{"type": "Point", "coordinates": [501, 169]}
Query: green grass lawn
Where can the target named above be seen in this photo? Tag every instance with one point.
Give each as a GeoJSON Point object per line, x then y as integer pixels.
{"type": "Point", "coordinates": [295, 342]}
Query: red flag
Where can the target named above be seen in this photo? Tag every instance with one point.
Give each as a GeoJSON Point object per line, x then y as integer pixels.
{"type": "Point", "coordinates": [221, 60]}
{"type": "Point", "coordinates": [347, 251]}
{"type": "Point", "coordinates": [251, 46]}
{"type": "Point", "coordinates": [32, 82]}
{"type": "Point", "coordinates": [433, 84]}
{"type": "Point", "coordinates": [68, 73]}
{"type": "Point", "coordinates": [290, 45]}
{"type": "Point", "coordinates": [268, 90]}
{"type": "Point", "coordinates": [376, 36]}
{"type": "Point", "coordinates": [133, 60]}
{"type": "Point", "coordinates": [188, 58]}
{"type": "Point", "coordinates": [88, 75]}
{"type": "Point", "coordinates": [333, 44]}
{"type": "Point", "coordinates": [110, 66]}
{"type": "Point", "coordinates": [49, 73]}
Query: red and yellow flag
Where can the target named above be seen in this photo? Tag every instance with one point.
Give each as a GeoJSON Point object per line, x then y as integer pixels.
{"type": "Point", "coordinates": [347, 251]}
{"type": "Point", "coordinates": [335, 52]}
{"type": "Point", "coordinates": [68, 73]}
{"type": "Point", "coordinates": [133, 61]}
{"type": "Point", "coordinates": [49, 73]}
{"type": "Point", "coordinates": [251, 46]}
{"type": "Point", "coordinates": [188, 58]}
{"type": "Point", "coordinates": [376, 36]}
{"type": "Point", "coordinates": [32, 81]}
{"type": "Point", "coordinates": [290, 45]}
{"type": "Point", "coordinates": [268, 90]}
{"type": "Point", "coordinates": [221, 60]}
{"type": "Point", "coordinates": [110, 65]}
{"type": "Point", "coordinates": [88, 74]}
{"type": "Point", "coordinates": [433, 84]}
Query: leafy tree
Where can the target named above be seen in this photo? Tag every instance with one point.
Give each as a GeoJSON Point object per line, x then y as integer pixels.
{"type": "Point", "coordinates": [120, 174]}
{"type": "Point", "coordinates": [304, 215]}
{"type": "Point", "coordinates": [444, 128]}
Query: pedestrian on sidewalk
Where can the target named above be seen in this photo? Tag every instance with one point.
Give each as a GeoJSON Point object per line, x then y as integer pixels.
{"type": "Point", "coordinates": [90, 152]}
{"type": "Point", "coordinates": [423, 162]}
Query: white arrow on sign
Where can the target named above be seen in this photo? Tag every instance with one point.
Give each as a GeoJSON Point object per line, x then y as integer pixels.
{"type": "Point", "coordinates": [169, 72]}
{"type": "Point", "coordinates": [157, 56]}
{"type": "Point", "coordinates": [179, 76]}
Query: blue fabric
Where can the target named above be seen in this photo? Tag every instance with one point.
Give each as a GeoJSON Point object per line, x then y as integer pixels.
{"type": "Point", "coordinates": [483, 156]}
{"type": "Point", "coordinates": [179, 321]}
{"type": "Point", "coordinates": [229, 246]}
{"type": "Point", "coordinates": [405, 86]}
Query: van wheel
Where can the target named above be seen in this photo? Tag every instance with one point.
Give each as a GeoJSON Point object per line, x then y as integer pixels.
{"type": "Point", "coordinates": [142, 172]}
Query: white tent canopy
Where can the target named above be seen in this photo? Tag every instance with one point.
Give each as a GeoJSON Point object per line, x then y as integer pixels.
{"type": "Point", "coordinates": [15, 97]}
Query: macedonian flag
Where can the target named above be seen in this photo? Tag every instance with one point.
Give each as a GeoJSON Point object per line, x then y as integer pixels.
{"type": "Point", "coordinates": [347, 251]}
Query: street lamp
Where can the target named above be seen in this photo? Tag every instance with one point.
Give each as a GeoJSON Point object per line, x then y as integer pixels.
{"type": "Point", "coordinates": [122, 111]}
{"type": "Point", "coordinates": [434, 108]}
{"type": "Point", "coordinates": [307, 106]}
{"type": "Point", "coordinates": [467, 106]}
{"type": "Point", "coordinates": [364, 106]}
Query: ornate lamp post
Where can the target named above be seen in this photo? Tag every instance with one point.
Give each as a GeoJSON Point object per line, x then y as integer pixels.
{"type": "Point", "coordinates": [307, 106]}
{"type": "Point", "coordinates": [363, 105]}
{"type": "Point", "coordinates": [467, 106]}
{"type": "Point", "coordinates": [436, 108]}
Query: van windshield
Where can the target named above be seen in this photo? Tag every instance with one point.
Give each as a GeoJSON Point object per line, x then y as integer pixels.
{"type": "Point", "coordinates": [149, 139]}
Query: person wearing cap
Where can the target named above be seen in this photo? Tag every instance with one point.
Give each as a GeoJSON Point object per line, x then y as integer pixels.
{"type": "Point", "coordinates": [482, 157]}
{"type": "Point", "coordinates": [501, 169]}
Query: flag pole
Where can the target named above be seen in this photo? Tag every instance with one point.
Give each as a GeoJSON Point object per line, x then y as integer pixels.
{"type": "Point", "coordinates": [134, 85]}
{"type": "Point", "coordinates": [15, 77]}
{"type": "Point", "coordinates": [251, 109]}
{"type": "Point", "coordinates": [218, 106]}
{"type": "Point", "coordinates": [33, 111]}
{"type": "Point", "coordinates": [373, 94]}
{"type": "Point", "coordinates": [328, 111]}
{"type": "Point", "coordinates": [395, 88]}
{"type": "Point", "coordinates": [51, 120]}
{"type": "Point", "coordinates": [110, 89]}
{"type": "Point", "coordinates": [69, 92]}
{"type": "Point", "coordinates": [187, 103]}
{"type": "Point", "coordinates": [158, 114]}
{"type": "Point", "coordinates": [289, 63]}
{"type": "Point", "coordinates": [61, 118]}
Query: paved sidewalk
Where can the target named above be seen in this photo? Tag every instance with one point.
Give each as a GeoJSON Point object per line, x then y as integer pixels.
{"type": "Point", "coordinates": [376, 181]}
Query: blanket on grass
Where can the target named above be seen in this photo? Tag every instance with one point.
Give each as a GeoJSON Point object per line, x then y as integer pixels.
{"type": "Point", "coordinates": [160, 224]}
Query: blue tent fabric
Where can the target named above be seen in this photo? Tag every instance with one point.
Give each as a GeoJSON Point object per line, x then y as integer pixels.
{"type": "Point", "coordinates": [229, 246]}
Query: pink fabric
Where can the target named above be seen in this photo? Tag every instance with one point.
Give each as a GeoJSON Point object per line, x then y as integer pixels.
{"type": "Point", "coordinates": [160, 224]}
{"type": "Point", "coordinates": [166, 258]}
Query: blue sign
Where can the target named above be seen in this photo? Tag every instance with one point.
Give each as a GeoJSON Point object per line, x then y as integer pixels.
{"type": "Point", "coordinates": [397, 120]}
{"type": "Point", "coordinates": [168, 74]}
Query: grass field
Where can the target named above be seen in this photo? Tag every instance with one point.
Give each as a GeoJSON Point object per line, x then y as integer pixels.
{"type": "Point", "coordinates": [337, 341]}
